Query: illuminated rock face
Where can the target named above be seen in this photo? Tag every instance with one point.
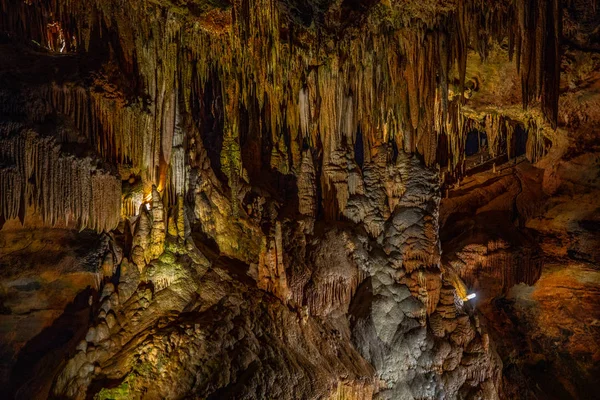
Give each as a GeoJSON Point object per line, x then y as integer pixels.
{"type": "Point", "coordinates": [405, 321]}
{"type": "Point", "coordinates": [283, 199]}
{"type": "Point", "coordinates": [525, 239]}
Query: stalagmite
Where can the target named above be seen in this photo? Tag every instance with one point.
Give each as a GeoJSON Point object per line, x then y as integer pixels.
{"type": "Point", "coordinates": [281, 177]}
{"type": "Point", "coordinates": [141, 239]}
{"type": "Point", "coordinates": [157, 234]}
{"type": "Point", "coordinates": [271, 268]}
{"type": "Point", "coordinates": [307, 191]}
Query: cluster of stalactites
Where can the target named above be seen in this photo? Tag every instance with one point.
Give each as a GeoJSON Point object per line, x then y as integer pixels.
{"type": "Point", "coordinates": [533, 29]}
{"type": "Point", "coordinates": [535, 40]}
{"type": "Point", "coordinates": [508, 267]}
{"type": "Point", "coordinates": [127, 134]}
{"type": "Point", "coordinates": [117, 132]}
{"type": "Point", "coordinates": [60, 188]}
{"type": "Point", "coordinates": [389, 83]}
{"type": "Point", "coordinates": [500, 131]}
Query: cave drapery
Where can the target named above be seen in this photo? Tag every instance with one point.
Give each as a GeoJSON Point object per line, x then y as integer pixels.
{"type": "Point", "coordinates": [261, 186]}
{"type": "Point", "coordinates": [400, 80]}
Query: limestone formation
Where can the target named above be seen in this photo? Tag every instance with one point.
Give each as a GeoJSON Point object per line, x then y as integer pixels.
{"type": "Point", "coordinates": [299, 199]}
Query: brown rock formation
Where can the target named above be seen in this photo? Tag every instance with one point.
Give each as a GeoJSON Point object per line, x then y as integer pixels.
{"type": "Point", "coordinates": [287, 199]}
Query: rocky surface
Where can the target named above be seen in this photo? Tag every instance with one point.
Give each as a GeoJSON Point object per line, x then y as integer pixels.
{"type": "Point", "coordinates": [522, 233]}
{"type": "Point", "coordinates": [50, 279]}
{"type": "Point", "coordinates": [524, 239]}
{"type": "Point", "coordinates": [556, 323]}
{"type": "Point", "coordinates": [284, 199]}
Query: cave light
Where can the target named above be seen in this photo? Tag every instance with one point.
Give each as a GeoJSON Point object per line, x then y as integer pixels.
{"type": "Point", "coordinates": [470, 296]}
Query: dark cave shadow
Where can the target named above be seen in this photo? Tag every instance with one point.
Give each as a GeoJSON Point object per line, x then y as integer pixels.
{"type": "Point", "coordinates": [238, 269]}
{"type": "Point", "coordinates": [537, 380]}
{"type": "Point", "coordinates": [361, 303]}
{"type": "Point", "coordinates": [40, 359]}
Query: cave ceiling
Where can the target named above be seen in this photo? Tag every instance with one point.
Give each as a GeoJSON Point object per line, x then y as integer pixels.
{"type": "Point", "coordinates": [341, 199]}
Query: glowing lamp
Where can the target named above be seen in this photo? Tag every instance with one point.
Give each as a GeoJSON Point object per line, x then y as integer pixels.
{"type": "Point", "coordinates": [470, 296]}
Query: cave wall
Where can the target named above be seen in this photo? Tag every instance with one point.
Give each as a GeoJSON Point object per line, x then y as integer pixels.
{"type": "Point", "coordinates": [269, 175]}
{"type": "Point", "coordinates": [523, 235]}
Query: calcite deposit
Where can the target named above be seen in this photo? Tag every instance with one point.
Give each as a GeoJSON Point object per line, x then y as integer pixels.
{"type": "Point", "coordinates": [282, 199]}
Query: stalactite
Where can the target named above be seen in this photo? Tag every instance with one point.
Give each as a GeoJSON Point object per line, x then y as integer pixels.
{"type": "Point", "coordinates": [304, 112]}
{"type": "Point", "coordinates": [539, 24]}
{"type": "Point", "coordinates": [178, 175]}
{"type": "Point", "coordinates": [535, 147]}
{"type": "Point", "coordinates": [391, 83]}
{"type": "Point", "coordinates": [510, 137]}
{"type": "Point", "coordinates": [60, 187]}
{"type": "Point", "coordinates": [330, 295]}
{"type": "Point", "coordinates": [131, 203]}
{"type": "Point", "coordinates": [497, 259]}
{"type": "Point", "coordinates": [352, 391]}
{"type": "Point", "coordinates": [494, 129]}
{"type": "Point", "coordinates": [11, 186]}
{"type": "Point", "coordinates": [119, 131]}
